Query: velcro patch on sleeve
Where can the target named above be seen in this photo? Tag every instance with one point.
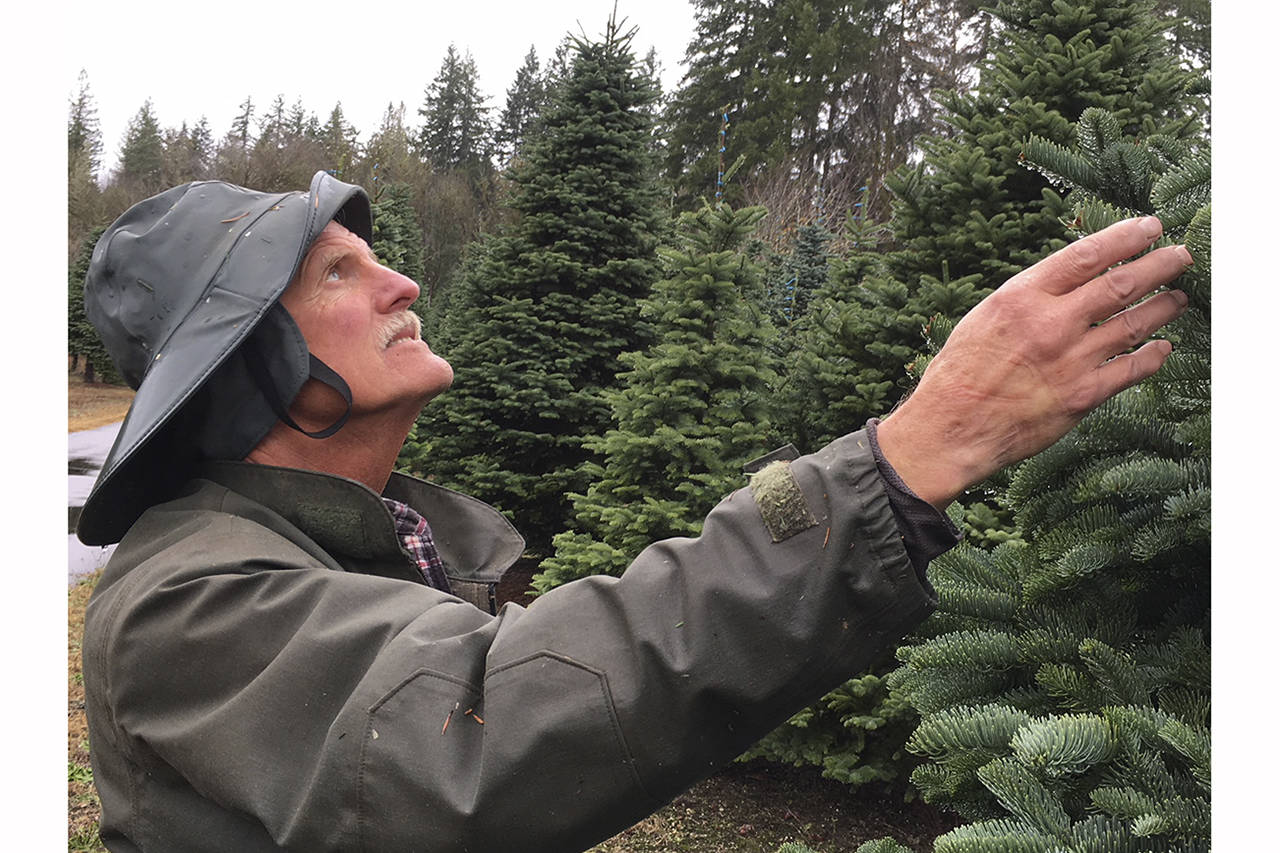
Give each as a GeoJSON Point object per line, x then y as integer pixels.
{"type": "Point", "coordinates": [781, 502]}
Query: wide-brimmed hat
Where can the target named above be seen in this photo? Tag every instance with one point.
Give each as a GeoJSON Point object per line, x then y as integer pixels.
{"type": "Point", "coordinates": [176, 288]}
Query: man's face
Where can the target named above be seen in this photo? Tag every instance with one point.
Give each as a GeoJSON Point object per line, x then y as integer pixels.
{"type": "Point", "coordinates": [354, 314]}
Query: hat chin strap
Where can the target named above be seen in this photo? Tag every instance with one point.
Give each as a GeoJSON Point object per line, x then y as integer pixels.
{"type": "Point", "coordinates": [318, 371]}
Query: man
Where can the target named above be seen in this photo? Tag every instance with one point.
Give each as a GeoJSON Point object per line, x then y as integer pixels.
{"type": "Point", "coordinates": [278, 655]}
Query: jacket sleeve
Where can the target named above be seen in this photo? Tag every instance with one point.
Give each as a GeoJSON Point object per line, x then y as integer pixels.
{"type": "Point", "coordinates": [358, 713]}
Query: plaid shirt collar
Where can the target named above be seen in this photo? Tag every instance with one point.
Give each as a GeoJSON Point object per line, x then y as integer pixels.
{"type": "Point", "coordinates": [415, 535]}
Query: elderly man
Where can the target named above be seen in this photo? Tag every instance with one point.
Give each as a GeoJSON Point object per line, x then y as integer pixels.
{"type": "Point", "coordinates": [286, 652]}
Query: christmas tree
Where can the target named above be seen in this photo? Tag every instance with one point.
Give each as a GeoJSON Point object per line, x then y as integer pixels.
{"type": "Point", "coordinates": [1064, 682]}
{"type": "Point", "coordinates": [691, 410]}
{"type": "Point", "coordinates": [969, 215]}
{"type": "Point", "coordinates": [397, 236]}
{"type": "Point", "coordinates": [547, 310]}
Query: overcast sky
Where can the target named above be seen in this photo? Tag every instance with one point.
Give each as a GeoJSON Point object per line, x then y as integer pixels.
{"type": "Point", "coordinates": [205, 61]}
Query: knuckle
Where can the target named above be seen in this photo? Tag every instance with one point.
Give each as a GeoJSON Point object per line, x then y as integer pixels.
{"type": "Point", "coordinates": [1084, 257]}
{"type": "Point", "coordinates": [1134, 332]}
{"type": "Point", "coordinates": [1081, 400]}
{"type": "Point", "coordinates": [1120, 283]}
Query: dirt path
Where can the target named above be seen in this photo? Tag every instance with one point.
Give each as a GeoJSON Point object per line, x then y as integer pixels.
{"type": "Point", "coordinates": [95, 405]}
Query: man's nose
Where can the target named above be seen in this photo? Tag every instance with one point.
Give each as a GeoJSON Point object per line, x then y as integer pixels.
{"type": "Point", "coordinates": [396, 291]}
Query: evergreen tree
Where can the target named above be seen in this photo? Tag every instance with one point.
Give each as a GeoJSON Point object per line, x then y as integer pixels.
{"type": "Point", "coordinates": [690, 411]}
{"type": "Point", "coordinates": [233, 152]}
{"type": "Point", "coordinates": [801, 274]}
{"type": "Point", "coordinates": [388, 156]}
{"type": "Point", "coordinates": [84, 135]}
{"type": "Point", "coordinates": [397, 236]}
{"type": "Point", "coordinates": [555, 300]}
{"type": "Point", "coordinates": [188, 154]}
{"type": "Point", "coordinates": [338, 140]}
{"type": "Point", "coordinates": [969, 203]}
{"type": "Point", "coordinates": [1064, 682]}
{"type": "Point", "coordinates": [284, 156]}
{"type": "Point", "coordinates": [820, 93]}
{"type": "Point", "coordinates": [526, 99]}
{"type": "Point", "coordinates": [82, 338]}
{"type": "Point", "coordinates": [455, 133]}
{"type": "Point", "coordinates": [84, 158]}
{"type": "Point", "coordinates": [965, 219]}
{"type": "Point", "coordinates": [141, 168]}
{"type": "Point", "coordinates": [854, 733]}
{"type": "Point", "coordinates": [970, 215]}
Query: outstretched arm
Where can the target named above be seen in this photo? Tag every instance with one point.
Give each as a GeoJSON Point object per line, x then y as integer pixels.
{"type": "Point", "coordinates": [1033, 358]}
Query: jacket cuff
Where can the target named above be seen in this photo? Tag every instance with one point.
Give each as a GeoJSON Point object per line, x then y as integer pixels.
{"type": "Point", "coordinates": [926, 533]}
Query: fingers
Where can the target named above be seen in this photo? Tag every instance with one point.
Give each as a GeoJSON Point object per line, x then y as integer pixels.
{"type": "Point", "coordinates": [1125, 371]}
{"type": "Point", "coordinates": [1133, 326]}
{"type": "Point", "coordinates": [1069, 268]}
{"type": "Point", "coordinates": [1121, 286]}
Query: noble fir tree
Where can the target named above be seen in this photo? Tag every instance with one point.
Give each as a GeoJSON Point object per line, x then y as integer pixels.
{"type": "Point", "coordinates": [397, 236]}
{"type": "Point", "coordinates": [554, 301]}
{"type": "Point", "coordinates": [969, 203]}
{"type": "Point", "coordinates": [1064, 681]}
{"type": "Point", "coordinates": [691, 410]}
{"type": "Point", "coordinates": [969, 215]}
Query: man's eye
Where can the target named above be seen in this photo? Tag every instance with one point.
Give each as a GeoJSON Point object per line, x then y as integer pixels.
{"type": "Point", "coordinates": [332, 274]}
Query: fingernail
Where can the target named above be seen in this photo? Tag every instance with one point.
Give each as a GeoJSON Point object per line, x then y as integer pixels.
{"type": "Point", "coordinates": [1185, 253]}
{"type": "Point", "coordinates": [1180, 297]}
{"type": "Point", "coordinates": [1152, 227]}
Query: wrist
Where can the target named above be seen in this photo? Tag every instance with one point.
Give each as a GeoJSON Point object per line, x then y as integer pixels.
{"type": "Point", "coordinates": [928, 464]}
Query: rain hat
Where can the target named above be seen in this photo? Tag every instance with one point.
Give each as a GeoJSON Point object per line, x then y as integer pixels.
{"type": "Point", "coordinates": [183, 288]}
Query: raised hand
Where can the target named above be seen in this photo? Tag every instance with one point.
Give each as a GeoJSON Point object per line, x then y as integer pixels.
{"type": "Point", "coordinates": [1033, 358]}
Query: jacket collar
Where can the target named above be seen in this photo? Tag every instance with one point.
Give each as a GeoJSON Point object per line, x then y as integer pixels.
{"type": "Point", "coordinates": [347, 518]}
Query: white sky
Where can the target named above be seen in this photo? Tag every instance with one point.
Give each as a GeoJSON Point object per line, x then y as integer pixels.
{"type": "Point", "coordinates": [205, 61]}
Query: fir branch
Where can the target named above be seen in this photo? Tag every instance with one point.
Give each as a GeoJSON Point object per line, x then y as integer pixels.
{"type": "Point", "coordinates": [1019, 791]}
{"type": "Point", "coordinates": [1064, 745]}
{"type": "Point", "coordinates": [1059, 165]}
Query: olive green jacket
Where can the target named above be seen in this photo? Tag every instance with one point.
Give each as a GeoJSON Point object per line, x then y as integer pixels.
{"type": "Point", "coordinates": [265, 668]}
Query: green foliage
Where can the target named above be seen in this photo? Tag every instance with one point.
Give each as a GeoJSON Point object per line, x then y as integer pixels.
{"type": "Point", "coordinates": [456, 133]}
{"type": "Point", "coordinates": [1084, 722]}
{"type": "Point", "coordinates": [526, 100]}
{"type": "Point", "coordinates": [855, 734]}
{"type": "Point", "coordinates": [549, 307]}
{"type": "Point", "coordinates": [823, 97]}
{"type": "Point", "coordinates": [397, 236]}
{"type": "Point", "coordinates": [689, 412]}
{"type": "Point", "coordinates": [142, 153]}
{"type": "Point", "coordinates": [882, 845]}
{"type": "Point", "coordinates": [82, 338]}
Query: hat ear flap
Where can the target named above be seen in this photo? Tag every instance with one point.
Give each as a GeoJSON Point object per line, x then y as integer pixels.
{"type": "Point", "coordinates": [280, 363]}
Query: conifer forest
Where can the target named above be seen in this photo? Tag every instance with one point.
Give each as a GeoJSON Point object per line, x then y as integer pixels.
{"type": "Point", "coordinates": [641, 290]}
